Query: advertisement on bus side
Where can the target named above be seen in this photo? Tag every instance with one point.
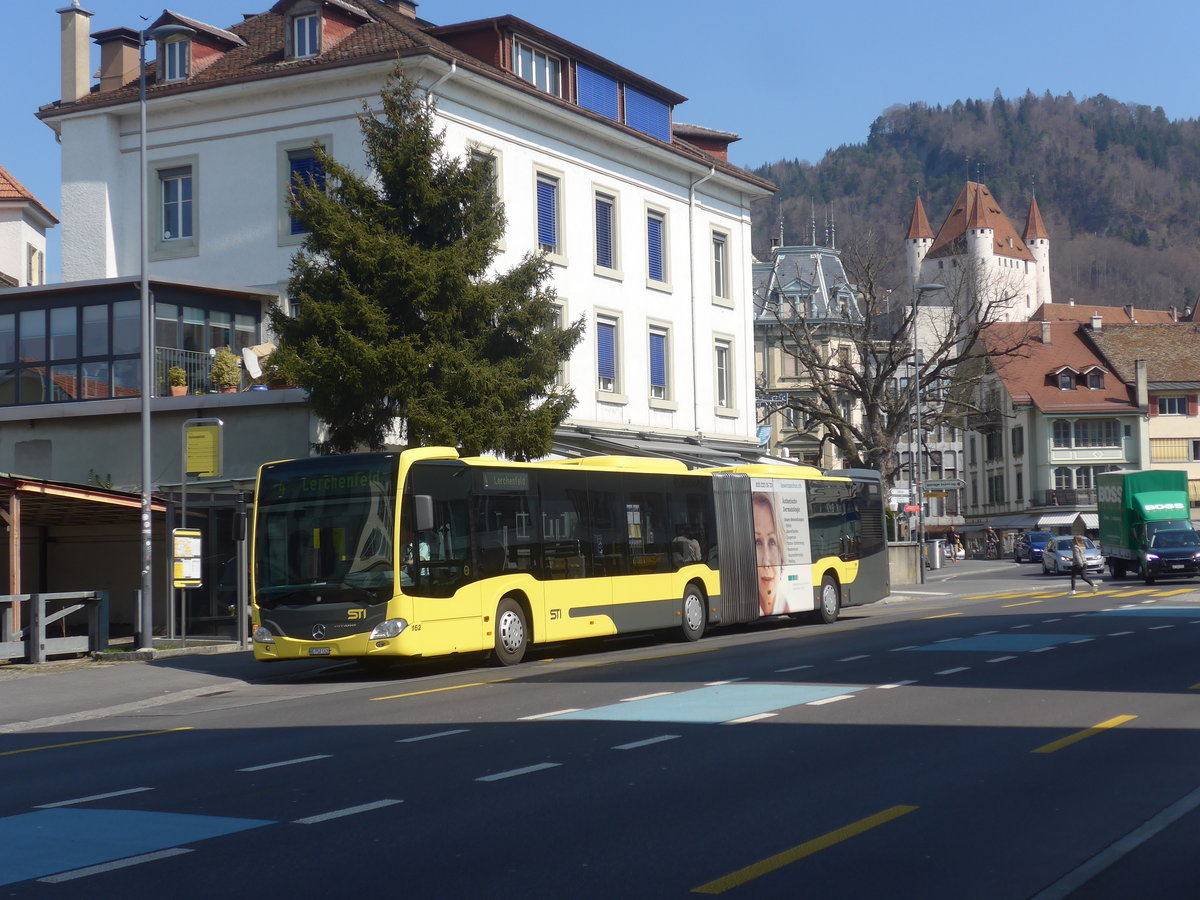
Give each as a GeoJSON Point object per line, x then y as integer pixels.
{"type": "Point", "coordinates": [782, 544]}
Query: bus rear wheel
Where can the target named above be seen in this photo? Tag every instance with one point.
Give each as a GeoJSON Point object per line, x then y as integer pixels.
{"type": "Point", "coordinates": [692, 626]}
{"type": "Point", "coordinates": [829, 601]}
{"type": "Point", "coordinates": [512, 633]}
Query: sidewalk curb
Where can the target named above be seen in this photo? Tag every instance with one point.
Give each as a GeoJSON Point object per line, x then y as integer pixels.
{"type": "Point", "coordinates": [150, 655]}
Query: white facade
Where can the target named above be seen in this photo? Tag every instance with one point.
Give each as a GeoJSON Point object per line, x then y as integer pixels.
{"type": "Point", "coordinates": [235, 140]}
{"type": "Point", "coordinates": [23, 226]}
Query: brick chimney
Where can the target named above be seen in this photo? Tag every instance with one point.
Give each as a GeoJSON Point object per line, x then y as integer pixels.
{"type": "Point", "coordinates": [118, 57]}
{"type": "Point", "coordinates": [1046, 333]}
{"type": "Point", "coordinates": [74, 52]}
{"type": "Point", "coordinates": [1097, 322]}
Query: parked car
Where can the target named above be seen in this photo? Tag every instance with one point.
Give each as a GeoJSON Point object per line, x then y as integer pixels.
{"type": "Point", "coordinates": [1030, 545]}
{"type": "Point", "coordinates": [1056, 557]}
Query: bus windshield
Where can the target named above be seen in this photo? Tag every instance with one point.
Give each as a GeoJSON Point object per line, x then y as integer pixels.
{"type": "Point", "coordinates": [325, 531]}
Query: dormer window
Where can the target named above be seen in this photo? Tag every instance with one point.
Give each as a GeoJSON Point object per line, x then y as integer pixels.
{"type": "Point", "coordinates": [537, 67]}
{"type": "Point", "coordinates": [305, 35]}
{"type": "Point", "coordinates": [1066, 381]}
{"type": "Point", "coordinates": [175, 58]}
{"type": "Point", "coordinates": [1095, 380]}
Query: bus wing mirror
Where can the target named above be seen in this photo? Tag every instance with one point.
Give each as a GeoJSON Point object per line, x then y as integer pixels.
{"type": "Point", "coordinates": [422, 512]}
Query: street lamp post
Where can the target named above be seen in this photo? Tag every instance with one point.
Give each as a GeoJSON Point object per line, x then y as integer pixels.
{"type": "Point", "coordinates": [918, 290]}
{"type": "Point", "coordinates": [145, 612]}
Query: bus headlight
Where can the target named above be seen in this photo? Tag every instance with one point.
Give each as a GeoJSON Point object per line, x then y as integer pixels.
{"type": "Point", "coordinates": [262, 635]}
{"type": "Point", "coordinates": [388, 628]}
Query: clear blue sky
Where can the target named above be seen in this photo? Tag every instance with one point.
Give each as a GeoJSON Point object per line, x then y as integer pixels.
{"type": "Point", "coordinates": [793, 78]}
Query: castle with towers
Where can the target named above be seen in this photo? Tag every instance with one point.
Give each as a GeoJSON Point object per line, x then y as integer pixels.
{"type": "Point", "coordinates": [979, 257]}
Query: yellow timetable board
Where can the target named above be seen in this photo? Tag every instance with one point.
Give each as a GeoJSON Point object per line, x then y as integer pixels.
{"type": "Point", "coordinates": [187, 551]}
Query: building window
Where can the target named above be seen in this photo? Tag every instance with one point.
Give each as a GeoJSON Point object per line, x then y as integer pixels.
{"type": "Point", "coordinates": [35, 265]}
{"type": "Point", "coordinates": [1062, 479]}
{"type": "Point", "coordinates": [1172, 406]}
{"type": "Point", "coordinates": [1066, 381]}
{"type": "Point", "coordinates": [1062, 433]}
{"type": "Point", "coordinates": [305, 34]}
{"type": "Point", "coordinates": [560, 379]}
{"type": "Point", "coordinates": [659, 386]}
{"type": "Point", "coordinates": [607, 358]}
{"type": "Point", "coordinates": [647, 114]}
{"type": "Point", "coordinates": [1018, 441]}
{"type": "Point", "coordinates": [723, 373]}
{"type": "Point", "coordinates": [303, 168]}
{"type": "Point", "coordinates": [656, 242]}
{"type": "Point", "coordinates": [175, 59]}
{"type": "Point", "coordinates": [720, 265]}
{"type": "Point", "coordinates": [1097, 433]}
{"type": "Point", "coordinates": [548, 227]}
{"type": "Point", "coordinates": [597, 92]}
{"type": "Point", "coordinates": [1095, 381]}
{"type": "Point", "coordinates": [606, 231]}
{"type": "Point", "coordinates": [1020, 484]}
{"type": "Point", "coordinates": [1174, 449]}
{"type": "Point", "coordinates": [176, 194]}
{"type": "Point", "coordinates": [537, 67]}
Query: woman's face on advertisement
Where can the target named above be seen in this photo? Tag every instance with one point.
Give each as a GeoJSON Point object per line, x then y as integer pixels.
{"type": "Point", "coordinates": [766, 544]}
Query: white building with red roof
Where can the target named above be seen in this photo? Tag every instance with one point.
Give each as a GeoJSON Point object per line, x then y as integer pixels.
{"type": "Point", "coordinates": [24, 221]}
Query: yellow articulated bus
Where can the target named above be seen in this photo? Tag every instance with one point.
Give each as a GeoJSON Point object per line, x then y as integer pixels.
{"type": "Point", "coordinates": [422, 553]}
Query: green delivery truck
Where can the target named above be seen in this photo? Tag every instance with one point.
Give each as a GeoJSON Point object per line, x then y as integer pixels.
{"type": "Point", "coordinates": [1145, 525]}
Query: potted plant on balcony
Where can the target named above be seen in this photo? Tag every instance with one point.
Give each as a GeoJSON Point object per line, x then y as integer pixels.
{"type": "Point", "coordinates": [226, 372]}
{"type": "Point", "coordinates": [177, 379]}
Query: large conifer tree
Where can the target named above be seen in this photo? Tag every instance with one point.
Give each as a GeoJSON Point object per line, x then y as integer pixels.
{"type": "Point", "coordinates": [399, 318]}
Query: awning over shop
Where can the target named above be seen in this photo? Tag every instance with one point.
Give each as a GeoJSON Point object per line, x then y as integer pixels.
{"type": "Point", "coordinates": [1057, 519]}
{"type": "Point", "coordinates": [1090, 520]}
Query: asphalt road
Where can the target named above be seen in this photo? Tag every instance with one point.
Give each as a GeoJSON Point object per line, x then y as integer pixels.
{"type": "Point", "coordinates": [986, 735]}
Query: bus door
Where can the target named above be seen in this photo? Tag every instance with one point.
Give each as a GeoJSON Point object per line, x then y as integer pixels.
{"type": "Point", "coordinates": [583, 547]}
{"type": "Point", "coordinates": [507, 540]}
{"type": "Point", "coordinates": [435, 562]}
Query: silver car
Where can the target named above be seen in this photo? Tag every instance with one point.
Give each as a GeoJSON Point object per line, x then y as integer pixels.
{"type": "Point", "coordinates": [1056, 558]}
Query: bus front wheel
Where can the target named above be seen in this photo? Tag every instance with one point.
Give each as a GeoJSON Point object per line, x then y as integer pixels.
{"type": "Point", "coordinates": [829, 601]}
{"type": "Point", "coordinates": [692, 626]}
{"type": "Point", "coordinates": [512, 633]}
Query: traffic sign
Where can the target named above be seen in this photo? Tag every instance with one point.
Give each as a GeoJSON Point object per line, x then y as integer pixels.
{"type": "Point", "coordinates": [899, 493]}
{"type": "Point", "coordinates": [944, 484]}
{"type": "Point", "coordinates": [911, 508]}
{"type": "Point", "coordinates": [937, 494]}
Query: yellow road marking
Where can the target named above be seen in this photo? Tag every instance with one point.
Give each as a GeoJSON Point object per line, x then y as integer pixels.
{"type": "Point", "coordinates": [1173, 593]}
{"type": "Point", "coordinates": [787, 857]}
{"type": "Point", "coordinates": [453, 687]}
{"type": "Point", "coordinates": [1086, 733]}
{"type": "Point", "coordinates": [120, 737]}
{"type": "Point", "coordinates": [1023, 603]}
{"type": "Point", "coordinates": [942, 616]}
{"type": "Point", "coordinates": [1135, 593]}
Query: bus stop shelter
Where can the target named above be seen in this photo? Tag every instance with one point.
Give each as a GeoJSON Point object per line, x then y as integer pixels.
{"type": "Point", "coordinates": [34, 511]}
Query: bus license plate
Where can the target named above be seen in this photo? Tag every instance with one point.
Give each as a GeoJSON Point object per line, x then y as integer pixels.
{"type": "Point", "coordinates": [1176, 565]}
{"type": "Point", "coordinates": [318, 651]}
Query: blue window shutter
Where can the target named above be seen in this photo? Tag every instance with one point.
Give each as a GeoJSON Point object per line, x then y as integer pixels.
{"type": "Point", "coordinates": [547, 214]}
{"type": "Point", "coordinates": [597, 92]}
{"type": "Point", "coordinates": [606, 350]}
{"type": "Point", "coordinates": [658, 360]}
{"type": "Point", "coordinates": [604, 233]}
{"type": "Point", "coordinates": [654, 247]}
{"type": "Point", "coordinates": [648, 115]}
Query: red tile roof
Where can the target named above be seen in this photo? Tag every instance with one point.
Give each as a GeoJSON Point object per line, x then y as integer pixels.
{"type": "Point", "coordinates": [1083, 312]}
{"type": "Point", "coordinates": [1035, 228]}
{"type": "Point", "coordinates": [389, 35]}
{"type": "Point", "coordinates": [977, 208]}
{"type": "Point", "coordinates": [1026, 372]}
{"type": "Point", "coordinates": [13, 190]}
{"type": "Point", "coordinates": [918, 225]}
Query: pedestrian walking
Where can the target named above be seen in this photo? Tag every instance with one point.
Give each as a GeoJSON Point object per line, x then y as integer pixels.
{"type": "Point", "coordinates": [1079, 564]}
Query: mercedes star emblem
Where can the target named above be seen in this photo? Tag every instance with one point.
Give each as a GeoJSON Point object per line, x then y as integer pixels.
{"type": "Point", "coordinates": [318, 632]}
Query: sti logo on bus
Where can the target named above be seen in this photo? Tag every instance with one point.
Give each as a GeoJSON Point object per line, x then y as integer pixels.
{"type": "Point", "coordinates": [356, 614]}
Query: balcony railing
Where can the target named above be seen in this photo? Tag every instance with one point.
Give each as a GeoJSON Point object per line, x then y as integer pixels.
{"type": "Point", "coordinates": [197, 364]}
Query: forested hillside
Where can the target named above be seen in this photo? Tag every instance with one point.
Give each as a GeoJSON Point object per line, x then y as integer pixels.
{"type": "Point", "coordinates": [1118, 186]}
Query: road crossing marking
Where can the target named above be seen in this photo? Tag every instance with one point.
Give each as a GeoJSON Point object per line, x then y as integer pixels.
{"type": "Point", "coordinates": [116, 864]}
{"type": "Point", "coordinates": [547, 715]}
{"type": "Point", "coordinates": [896, 684]}
{"type": "Point", "coordinates": [1085, 733]}
{"type": "Point", "coordinates": [757, 717]}
{"type": "Point", "coordinates": [953, 671]}
{"type": "Point", "coordinates": [430, 737]}
{"type": "Point", "coordinates": [107, 796]}
{"type": "Point", "coordinates": [830, 700]}
{"type": "Point", "coordinates": [645, 697]}
{"type": "Point", "coordinates": [513, 773]}
{"type": "Point", "coordinates": [791, 669]}
{"type": "Point", "coordinates": [635, 745]}
{"type": "Point", "coordinates": [342, 813]}
{"type": "Point", "coordinates": [1001, 659]}
{"type": "Point", "coordinates": [286, 762]}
